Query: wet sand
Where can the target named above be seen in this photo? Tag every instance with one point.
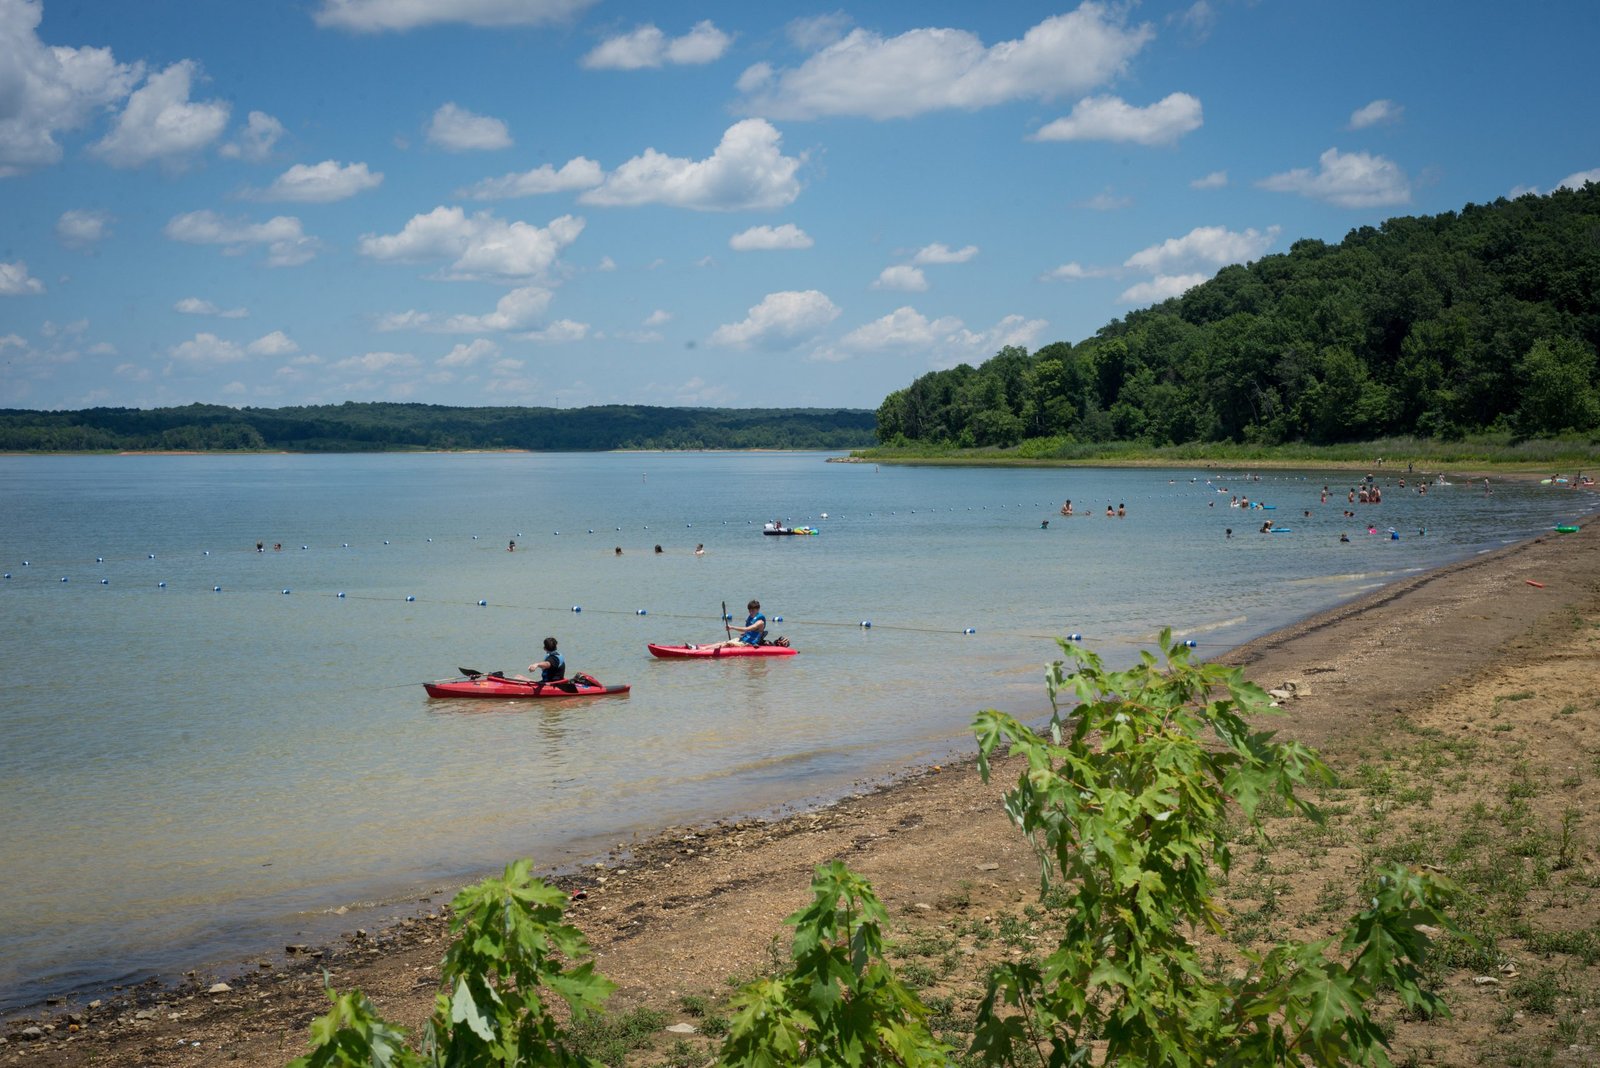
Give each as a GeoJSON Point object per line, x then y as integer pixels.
{"type": "Point", "coordinates": [682, 912]}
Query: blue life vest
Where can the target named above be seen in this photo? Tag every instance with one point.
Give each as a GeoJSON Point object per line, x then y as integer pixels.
{"type": "Point", "coordinates": [557, 669]}
{"type": "Point", "coordinates": [753, 637]}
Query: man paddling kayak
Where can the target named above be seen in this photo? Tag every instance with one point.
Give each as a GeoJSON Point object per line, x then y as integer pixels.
{"type": "Point", "coordinates": [754, 629]}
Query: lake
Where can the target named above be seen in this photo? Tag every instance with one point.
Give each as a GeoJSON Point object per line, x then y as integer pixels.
{"type": "Point", "coordinates": [209, 749]}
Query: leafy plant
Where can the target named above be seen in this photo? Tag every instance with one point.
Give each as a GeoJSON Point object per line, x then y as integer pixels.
{"type": "Point", "coordinates": [353, 1035]}
{"type": "Point", "coordinates": [840, 1004]}
{"type": "Point", "coordinates": [1126, 803]}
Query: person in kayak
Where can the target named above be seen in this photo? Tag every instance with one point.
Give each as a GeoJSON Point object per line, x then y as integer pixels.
{"type": "Point", "coordinates": [553, 668]}
{"type": "Point", "coordinates": [753, 631]}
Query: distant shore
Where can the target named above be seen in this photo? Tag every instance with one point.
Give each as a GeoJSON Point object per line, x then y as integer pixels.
{"type": "Point", "coordinates": [678, 914]}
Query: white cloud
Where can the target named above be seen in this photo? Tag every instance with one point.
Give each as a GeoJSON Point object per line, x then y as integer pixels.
{"type": "Point", "coordinates": [1198, 20]}
{"type": "Point", "coordinates": [1576, 181]}
{"type": "Point", "coordinates": [132, 372]}
{"type": "Point", "coordinates": [48, 90]}
{"type": "Point", "coordinates": [481, 244]}
{"type": "Point", "coordinates": [577, 173]}
{"type": "Point", "coordinates": [1379, 111]}
{"type": "Point", "coordinates": [1108, 118]}
{"type": "Point", "coordinates": [374, 362]}
{"type": "Point", "coordinates": [762, 238]}
{"type": "Point", "coordinates": [16, 282]}
{"type": "Point", "coordinates": [817, 31]}
{"type": "Point", "coordinates": [455, 129]}
{"type": "Point", "coordinates": [1160, 288]}
{"type": "Point", "coordinates": [901, 328]}
{"type": "Point", "coordinates": [647, 46]}
{"type": "Point", "coordinates": [83, 229]}
{"type": "Point", "coordinates": [321, 183]}
{"type": "Point", "coordinates": [925, 70]}
{"type": "Point", "coordinates": [606, 264]}
{"type": "Point", "coordinates": [285, 243]}
{"type": "Point", "coordinates": [1214, 180]}
{"type": "Point", "coordinates": [945, 341]}
{"type": "Point", "coordinates": [902, 277]}
{"type": "Point", "coordinates": [255, 142]}
{"type": "Point", "coordinates": [1204, 246]}
{"type": "Point", "coordinates": [1106, 201]}
{"type": "Point", "coordinates": [658, 318]}
{"type": "Point", "coordinates": [196, 306]}
{"type": "Point", "coordinates": [470, 352]}
{"type": "Point", "coordinates": [376, 16]}
{"type": "Point", "coordinates": [276, 343]}
{"type": "Point", "coordinates": [557, 333]}
{"type": "Point", "coordinates": [1073, 272]}
{"type": "Point", "coordinates": [747, 172]}
{"type": "Point", "coordinates": [938, 253]}
{"type": "Point", "coordinates": [160, 122]}
{"type": "Point", "coordinates": [781, 320]}
{"type": "Point", "coordinates": [519, 308]}
{"type": "Point", "coordinates": [1349, 180]}
{"type": "Point", "coordinates": [206, 350]}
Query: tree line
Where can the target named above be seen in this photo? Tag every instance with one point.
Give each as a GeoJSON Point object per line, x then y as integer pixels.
{"type": "Point", "coordinates": [372, 427]}
{"type": "Point", "coordinates": [1482, 320]}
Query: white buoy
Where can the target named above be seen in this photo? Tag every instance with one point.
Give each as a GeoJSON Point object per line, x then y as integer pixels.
{"type": "Point", "coordinates": [159, 585]}
{"type": "Point", "coordinates": [777, 619]}
{"type": "Point", "coordinates": [214, 589]}
{"type": "Point", "coordinates": [483, 604]}
{"type": "Point", "coordinates": [105, 582]}
{"type": "Point", "coordinates": [577, 608]}
{"type": "Point", "coordinates": [866, 623]}
{"type": "Point", "coordinates": [1074, 637]}
{"type": "Point", "coordinates": [411, 596]}
{"type": "Point", "coordinates": [340, 593]}
{"type": "Point", "coordinates": [969, 630]}
{"type": "Point", "coordinates": [641, 612]}
{"type": "Point", "coordinates": [1190, 643]}
{"type": "Point", "coordinates": [285, 591]}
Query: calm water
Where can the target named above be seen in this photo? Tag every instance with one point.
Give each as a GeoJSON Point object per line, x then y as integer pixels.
{"type": "Point", "coordinates": [190, 775]}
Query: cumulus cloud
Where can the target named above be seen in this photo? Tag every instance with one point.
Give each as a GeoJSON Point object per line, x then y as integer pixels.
{"type": "Point", "coordinates": [377, 16]}
{"type": "Point", "coordinates": [48, 90]}
{"type": "Point", "coordinates": [161, 123]}
{"type": "Point", "coordinates": [321, 183]}
{"type": "Point", "coordinates": [1204, 246]}
{"type": "Point", "coordinates": [1577, 181]}
{"type": "Point", "coordinates": [479, 245]}
{"type": "Point", "coordinates": [763, 238]}
{"type": "Point", "coordinates": [937, 253]}
{"type": "Point", "coordinates": [196, 306]}
{"type": "Point", "coordinates": [647, 46]}
{"type": "Point", "coordinates": [16, 282]}
{"type": "Point", "coordinates": [520, 308]}
{"type": "Point", "coordinates": [747, 172]}
{"type": "Point", "coordinates": [83, 229]}
{"type": "Point", "coordinates": [1073, 272]}
{"type": "Point", "coordinates": [1349, 180]}
{"type": "Point", "coordinates": [1106, 201]}
{"type": "Point", "coordinates": [256, 141]}
{"type": "Point", "coordinates": [813, 32]}
{"type": "Point", "coordinates": [206, 350]}
{"type": "Point", "coordinates": [285, 243]}
{"type": "Point", "coordinates": [468, 353]}
{"type": "Point", "coordinates": [659, 317]}
{"type": "Point", "coordinates": [926, 70]}
{"type": "Point", "coordinates": [376, 362]}
{"type": "Point", "coordinates": [782, 320]}
{"type": "Point", "coordinates": [1161, 288]}
{"type": "Point", "coordinates": [455, 129]}
{"type": "Point", "coordinates": [276, 343]}
{"type": "Point", "coordinates": [901, 328]}
{"type": "Point", "coordinates": [1108, 118]}
{"type": "Point", "coordinates": [1214, 180]}
{"type": "Point", "coordinates": [576, 173]}
{"type": "Point", "coordinates": [1376, 113]}
{"type": "Point", "coordinates": [945, 341]}
{"type": "Point", "coordinates": [559, 332]}
{"type": "Point", "coordinates": [1197, 21]}
{"type": "Point", "coordinates": [902, 277]}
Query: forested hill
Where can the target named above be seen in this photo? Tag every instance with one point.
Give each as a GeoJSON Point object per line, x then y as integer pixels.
{"type": "Point", "coordinates": [1483, 319]}
{"type": "Point", "coordinates": [353, 427]}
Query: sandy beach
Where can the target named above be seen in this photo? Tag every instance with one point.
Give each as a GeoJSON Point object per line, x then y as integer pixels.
{"type": "Point", "coordinates": [1462, 679]}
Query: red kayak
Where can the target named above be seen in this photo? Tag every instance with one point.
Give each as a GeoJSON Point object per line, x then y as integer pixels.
{"type": "Point", "coordinates": [719, 652]}
{"type": "Point", "coordinates": [498, 686]}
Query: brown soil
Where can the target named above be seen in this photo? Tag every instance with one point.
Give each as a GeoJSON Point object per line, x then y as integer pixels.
{"type": "Point", "coordinates": [1474, 655]}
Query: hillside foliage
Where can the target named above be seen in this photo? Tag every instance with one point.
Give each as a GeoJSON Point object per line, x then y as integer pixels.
{"type": "Point", "coordinates": [1486, 319]}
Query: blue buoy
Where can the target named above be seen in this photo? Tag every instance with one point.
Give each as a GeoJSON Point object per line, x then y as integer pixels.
{"type": "Point", "coordinates": [1074, 637]}
{"type": "Point", "coordinates": [63, 578]}
{"type": "Point", "coordinates": [777, 619]}
{"type": "Point", "coordinates": [430, 541]}
{"type": "Point", "coordinates": [728, 618]}
{"type": "Point", "coordinates": [340, 594]}
{"type": "Point", "coordinates": [214, 589]}
{"type": "Point", "coordinates": [8, 574]}
{"type": "Point", "coordinates": [105, 582]}
{"type": "Point", "coordinates": [99, 559]}
{"type": "Point", "coordinates": [641, 612]}
{"type": "Point", "coordinates": [386, 541]}
{"type": "Point", "coordinates": [1190, 643]}
{"type": "Point", "coordinates": [410, 596]}
{"type": "Point", "coordinates": [577, 608]}
{"type": "Point", "coordinates": [286, 591]}
{"type": "Point", "coordinates": [483, 604]}
{"type": "Point", "coordinates": [346, 545]}
{"type": "Point", "coordinates": [969, 630]}
{"type": "Point", "coordinates": [866, 623]}
{"type": "Point", "coordinates": [159, 585]}
{"type": "Point", "coordinates": [152, 556]}
{"type": "Point", "coordinates": [688, 524]}
{"type": "Point", "coordinates": [474, 537]}
{"type": "Point", "coordinates": [205, 552]}
{"type": "Point", "coordinates": [305, 546]}
{"type": "Point", "coordinates": [591, 530]}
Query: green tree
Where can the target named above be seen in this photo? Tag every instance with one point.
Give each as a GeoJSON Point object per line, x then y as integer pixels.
{"type": "Point", "coordinates": [1557, 388]}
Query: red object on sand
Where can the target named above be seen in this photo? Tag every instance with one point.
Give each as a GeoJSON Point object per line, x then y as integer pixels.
{"type": "Point", "coordinates": [1533, 583]}
{"type": "Point", "coordinates": [495, 686]}
{"type": "Point", "coordinates": [717, 652]}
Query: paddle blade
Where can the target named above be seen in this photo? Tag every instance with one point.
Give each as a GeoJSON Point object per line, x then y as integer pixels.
{"type": "Point", "coordinates": [470, 673]}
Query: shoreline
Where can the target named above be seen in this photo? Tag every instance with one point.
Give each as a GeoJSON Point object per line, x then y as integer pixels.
{"type": "Point", "coordinates": [688, 906]}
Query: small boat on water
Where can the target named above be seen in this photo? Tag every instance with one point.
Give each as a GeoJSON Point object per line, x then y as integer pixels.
{"type": "Point", "coordinates": [497, 685]}
{"type": "Point", "coordinates": [716, 652]}
{"type": "Point", "coordinates": [786, 531]}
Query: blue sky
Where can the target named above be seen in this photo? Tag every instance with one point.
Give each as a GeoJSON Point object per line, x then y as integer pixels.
{"type": "Point", "coordinates": [574, 202]}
